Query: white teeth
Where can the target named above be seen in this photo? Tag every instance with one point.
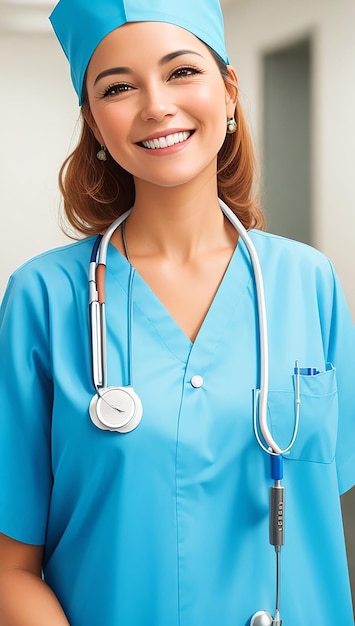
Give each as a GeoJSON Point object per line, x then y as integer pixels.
{"type": "Point", "coordinates": [165, 142]}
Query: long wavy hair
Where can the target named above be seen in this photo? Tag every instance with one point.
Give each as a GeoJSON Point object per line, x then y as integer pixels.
{"type": "Point", "coordinates": [95, 193]}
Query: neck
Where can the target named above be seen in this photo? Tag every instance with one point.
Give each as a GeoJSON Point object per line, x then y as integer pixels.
{"type": "Point", "coordinates": [177, 223]}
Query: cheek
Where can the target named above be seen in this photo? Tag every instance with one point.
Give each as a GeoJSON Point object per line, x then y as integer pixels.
{"type": "Point", "coordinates": [111, 125]}
{"type": "Point", "coordinates": [212, 105]}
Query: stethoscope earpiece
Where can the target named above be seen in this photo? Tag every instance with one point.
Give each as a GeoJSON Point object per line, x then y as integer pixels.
{"type": "Point", "coordinates": [261, 618]}
{"type": "Point", "coordinates": [118, 409]}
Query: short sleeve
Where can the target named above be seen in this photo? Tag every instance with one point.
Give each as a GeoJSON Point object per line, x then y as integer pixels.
{"type": "Point", "coordinates": [341, 352]}
{"type": "Point", "coordinates": [25, 409]}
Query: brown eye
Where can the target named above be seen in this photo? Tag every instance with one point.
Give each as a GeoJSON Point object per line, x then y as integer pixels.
{"type": "Point", "coordinates": [114, 90]}
{"type": "Point", "coordinates": [184, 72]}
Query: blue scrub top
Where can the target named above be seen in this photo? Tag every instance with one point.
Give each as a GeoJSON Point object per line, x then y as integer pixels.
{"type": "Point", "coordinates": [168, 525]}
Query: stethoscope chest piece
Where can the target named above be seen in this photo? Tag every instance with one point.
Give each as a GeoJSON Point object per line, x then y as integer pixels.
{"type": "Point", "coordinates": [116, 409]}
{"type": "Point", "coordinates": [261, 618]}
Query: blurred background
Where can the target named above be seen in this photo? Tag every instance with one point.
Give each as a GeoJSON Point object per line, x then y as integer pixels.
{"type": "Point", "coordinates": [296, 65]}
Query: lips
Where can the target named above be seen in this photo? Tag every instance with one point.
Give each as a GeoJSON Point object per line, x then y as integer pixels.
{"type": "Point", "coordinates": [166, 141]}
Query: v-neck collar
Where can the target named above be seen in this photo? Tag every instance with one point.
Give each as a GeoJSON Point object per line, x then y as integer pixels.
{"type": "Point", "coordinates": [223, 307]}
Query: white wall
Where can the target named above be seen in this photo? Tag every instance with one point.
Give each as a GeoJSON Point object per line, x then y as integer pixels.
{"type": "Point", "coordinates": [38, 113]}
{"type": "Point", "coordinates": [256, 26]}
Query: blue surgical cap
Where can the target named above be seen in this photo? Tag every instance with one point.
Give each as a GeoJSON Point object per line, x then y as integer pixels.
{"type": "Point", "coordinates": [80, 25]}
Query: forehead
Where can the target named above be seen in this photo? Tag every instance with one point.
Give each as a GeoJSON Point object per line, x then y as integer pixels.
{"type": "Point", "coordinates": [144, 41]}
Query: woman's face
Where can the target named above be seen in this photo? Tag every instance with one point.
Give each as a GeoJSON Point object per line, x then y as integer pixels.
{"type": "Point", "coordinates": [159, 103]}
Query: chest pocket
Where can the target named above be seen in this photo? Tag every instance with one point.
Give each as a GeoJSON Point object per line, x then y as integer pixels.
{"type": "Point", "coordinates": [318, 423]}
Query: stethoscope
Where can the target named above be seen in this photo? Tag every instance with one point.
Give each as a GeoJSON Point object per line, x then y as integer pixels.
{"type": "Point", "coordinates": [119, 409]}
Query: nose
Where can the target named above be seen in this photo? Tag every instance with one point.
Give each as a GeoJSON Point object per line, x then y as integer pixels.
{"type": "Point", "coordinates": [157, 103]}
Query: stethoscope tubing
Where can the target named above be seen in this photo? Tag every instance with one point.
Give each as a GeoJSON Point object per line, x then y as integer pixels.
{"type": "Point", "coordinates": [97, 304]}
{"type": "Point", "coordinates": [97, 300]}
{"type": "Point", "coordinates": [263, 332]}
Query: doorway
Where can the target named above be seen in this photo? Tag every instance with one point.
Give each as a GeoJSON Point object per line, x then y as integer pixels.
{"type": "Point", "coordinates": [287, 131]}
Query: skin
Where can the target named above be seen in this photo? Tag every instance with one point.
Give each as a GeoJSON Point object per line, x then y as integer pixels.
{"type": "Point", "coordinates": [168, 81]}
{"type": "Point", "coordinates": [24, 597]}
{"type": "Point", "coordinates": [177, 237]}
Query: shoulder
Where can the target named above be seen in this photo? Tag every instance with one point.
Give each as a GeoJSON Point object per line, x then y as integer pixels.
{"type": "Point", "coordinates": [279, 245]}
{"type": "Point", "coordinates": [52, 275]}
{"type": "Point", "coordinates": [57, 259]}
{"type": "Point", "coordinates": [290, 256]}
{"type": "Point", "coordinates": [69, 260]}
{"type": "Point", "coordinates": [296, 271]}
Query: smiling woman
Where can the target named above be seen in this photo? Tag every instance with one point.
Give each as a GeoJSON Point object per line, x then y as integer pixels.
{"type": "Point", "coordinates": [84, 187]}
{"type": "Point", "coordinates": [134, 457]}
{"type": "Point", "coordinates": [161, 91]}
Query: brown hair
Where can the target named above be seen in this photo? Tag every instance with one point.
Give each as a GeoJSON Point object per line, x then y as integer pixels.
{"type": "Point", "coordinates": [95, 193]}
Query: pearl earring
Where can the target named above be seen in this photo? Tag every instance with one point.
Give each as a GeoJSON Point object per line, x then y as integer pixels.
{"type": "Point", "coordinates": [101, 155]}
{"type": "Point", "coordinates": [231, 126]}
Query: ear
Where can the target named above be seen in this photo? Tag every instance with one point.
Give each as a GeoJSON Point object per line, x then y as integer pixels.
{"type": "Point", "coordinates": [89, 119]}
{"type": "Point", "coordinates": [231, 84]}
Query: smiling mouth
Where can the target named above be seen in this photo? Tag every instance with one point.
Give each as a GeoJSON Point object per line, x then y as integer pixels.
{"type": "Point", "coordinates": [166, 142]}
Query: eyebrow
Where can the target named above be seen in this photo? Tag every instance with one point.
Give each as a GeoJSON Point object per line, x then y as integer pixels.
{"type": "Point", "coordinates": [126, 70]}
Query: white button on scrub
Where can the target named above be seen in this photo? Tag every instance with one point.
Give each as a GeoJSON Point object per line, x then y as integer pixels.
{"type": "Point", "coordinates": [197, 381]}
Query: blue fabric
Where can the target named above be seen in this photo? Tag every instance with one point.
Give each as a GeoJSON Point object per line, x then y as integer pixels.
{"type": "Point", "coordinates": [80, 25]}
{"type": "Point", "coordinates": [168, 525]}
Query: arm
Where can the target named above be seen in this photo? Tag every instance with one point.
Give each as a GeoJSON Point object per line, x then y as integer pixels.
{"type": "Point", "coordinates": [341, 352]}
{"type": "Point", "coordinates": [24, 596]}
